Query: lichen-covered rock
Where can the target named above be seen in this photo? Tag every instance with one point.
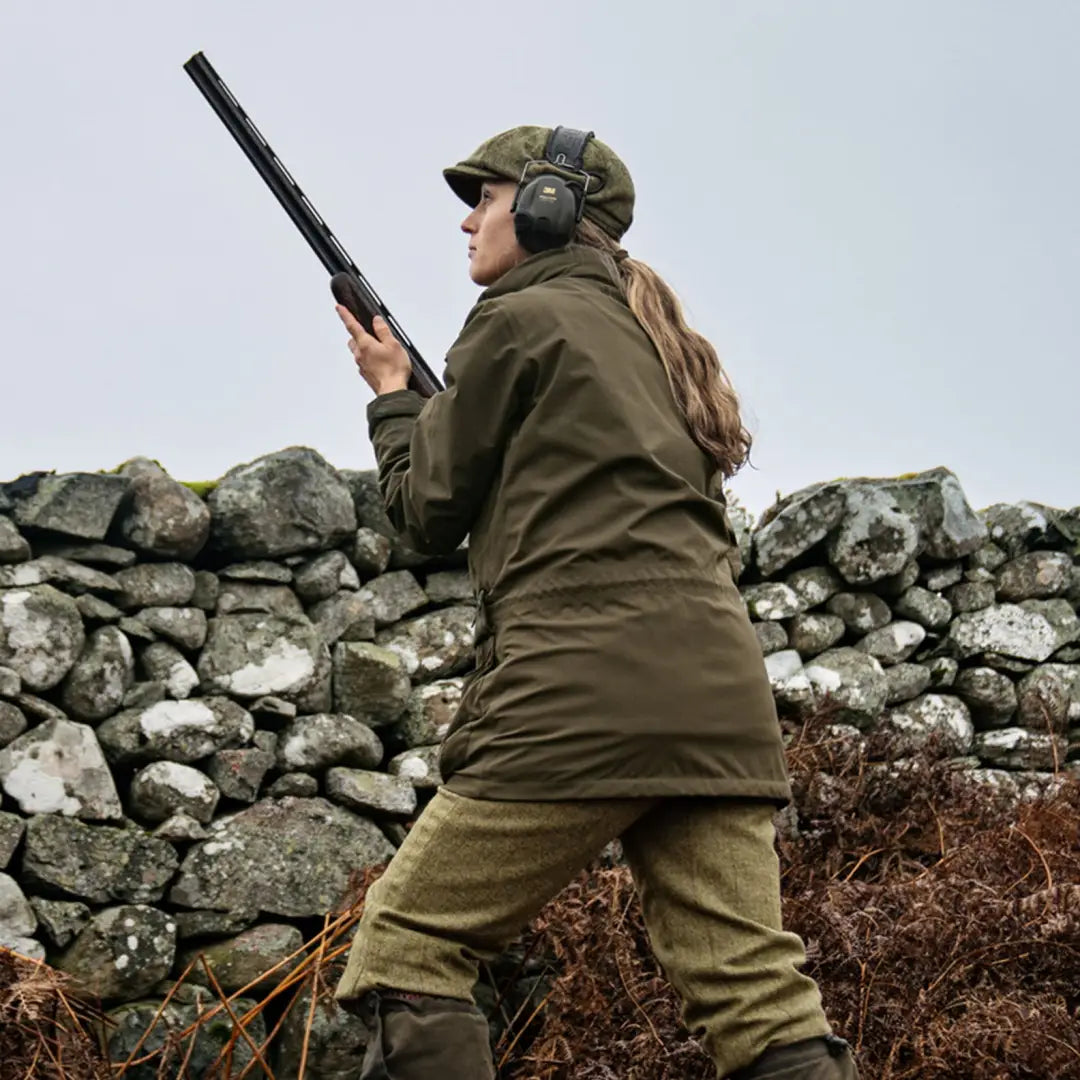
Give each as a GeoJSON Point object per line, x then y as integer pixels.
{"type": "Point", "coordinates": [948, 527]}
{"type": "Point", "coordinates": [14, 548]}
{"type": "Point", "coordinates": [144, 694]}
{"type": "Point", "coordinates": [291, 857]}
{"type": "Point", "coordinates": [95, 610]}
{"type": "Point", "coordinates": [369, 552]}
{"type": "Point", "coordinates": [796, 524]}
{"type": "Point", "coordinates": [192, 925]}
{"type": "Point", "coordinates": [895, 585]}
{"type": "Point", "coordinates": [852, 680]}
{"type": "Point", "coordinates": [434, 645]}
{"type": "Point", "coordinates": [155, 585]}
{"type": "Point", "coordinates": [1007, 629]}
{"type": "Point", "coordinates": [180, 828]}
{"type": "Point", "coordinates": [246, 959]}
{"type": "Point", "coordinates": [183, 626]}
{"type": "Point", "coordinates": [772, 637]}
{"type": "Point", "coordinates": [814, 632]}
{"type": "Point", "coordinates": [430, 710]}
{"type": "Point", "coordinates": [123, 953]}
{"type": "Point", "coordinates": [10, 682]}
{"type": "Point", "coordinates": [284, 503]}
{"type": "Point", "coordinates": [323, 576]}
{"type": "Point", "coordinates": [928, 609]}
{"type": "Point", "coordinates": [1016, 527]}
{"type": "Point", "coordinates": [905, 681]}
{"type": "Point", "coordinates": [41, 634]}
{"type": "Point", "coordinates": [371, 792]}
{"type": "Point", "coordinates": [1019, 748]}
{"type": "Point", "coordinates": [893, 643]}
{"type": "Point", "coordinates": [302, 785]}
{"type": "Point", "coordinates": [60, 921]}
{"type": "Point", "coordinates": [249, 656]}
{"type": "Point", "coordinates": [12, 722]}
{"type": "Point", "coordinates": [166, 664]}
{"type": "Point", "coordinates": [17, 920]}
{"type": "Point", "coordinates": [72, 577]}
{"type": "Point", "coordinates": [258, 571]}
{"type": "Point", "coordinates": [874, 540]}
{"type": "Point", "coordinates": [861, 612]}
{"type": "Point", "coordinates": [58, 768]}
{"type": "Point", "coordinates": [1060, 614]}
{"type": "Point", "coordinates": [990, 695]}
{"type": "Point", "coordinates": [74, 504]}
{"type": "Point", "coordinates": [182, 731]}
{"type": "Point", "coordinates": [239, 773]}
{"type": "Point", "coordinates": [971, 596]}
{"type": "Point", "coordinates": [1038, 575]}
{"type": "Point", "coordinates": [311, 743]}
{"type": "Point", "coordinates": [814, 585]}
{"type": "Point", "coordinates": [335, 1042]}
{"type": "Point", "coordinates": [371, 515]}
{"type": "Point", "coordinates": [420, 766]}
{"type": "Point", "coordinates": [772, 600]}
{"type": "Point", "coordinates": [96, 685]}
{"type": "Point", "coordinates": [345, 616]}
{"type": "Point", "coordinates": [943, 671]}
{"type": "Point", "coordinates": [392, 596]}
{"type": "Point", "coordinates": [790, 685]}
{"type": "Point", "coordinates": [99, 863]}
{"type": "Point", "coordinates": [939, 578]}
{"type": "Point", "coordinates": [944, 719]}
{"type": "Point", "coordinates": [447, 586]}
{"type": "Point", "coordinates": [370, 682]}
{"type": "Point", "coordinates": [1048, 698]}
{"type": "Point", "coordinates": [258, 598]}
{"type": "Point", "coordinates": [164, 788]}
{"type": "Point", "coordinates": [12, 828]}
{"type": "Point", "coordinates": [163, 518]}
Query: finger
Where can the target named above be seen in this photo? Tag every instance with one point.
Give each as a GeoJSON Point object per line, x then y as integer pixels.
{"type": "Point", "coordinates": [352, 324]}
{"type": "Point", "coordinates": [382, 329]}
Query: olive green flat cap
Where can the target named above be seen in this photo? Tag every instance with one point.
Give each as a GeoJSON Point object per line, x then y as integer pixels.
{"type": "Point", "coordinates": [610, 198]}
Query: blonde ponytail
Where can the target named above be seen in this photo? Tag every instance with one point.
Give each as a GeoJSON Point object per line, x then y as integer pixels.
{"type": "Point", "coordinates": [701, 387]}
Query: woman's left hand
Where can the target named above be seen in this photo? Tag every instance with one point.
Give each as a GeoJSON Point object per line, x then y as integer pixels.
{"type": "Point", "coordinates": [381, 358]}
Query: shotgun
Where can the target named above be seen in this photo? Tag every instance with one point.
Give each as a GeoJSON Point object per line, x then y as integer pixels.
{"type": "Point", "coordinates": [348, 285]}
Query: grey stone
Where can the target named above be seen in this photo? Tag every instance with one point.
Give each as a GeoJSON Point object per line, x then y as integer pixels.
{"type": "Point", "coordinates": [392, 596]}
{"type": "Point", "coordinates": [939, 578]}
{"type": "Point", "coordinates": [1007, 664]}
{"type": "Point", "coordinates": [372, 792]}
{"type": "Point", "coordinates": [75, 504]}
{"type": "Point", "coordinates": [107, 555]}
{"type": "Point", "coordinates": [370, 682]}
{"type": "Point", "coordinates": [248, 597]}
{"type": "Point", "coordinates": [165, 664]}
{"type": "Point", "coordinates": [894, 643]}
{"type": "Point", "coordinates": [302, 785]}
{"type": "Point", "coordinates": [99, 863]}
{"type": "Point", "coordinates": [852, 680]}
{"type": "Point", "coordinates": [183, 626]}
{"type": "Point", "coordinates": [895, 585]}
{"type": "Point", "coordinates": [1048, 698]}
{"type": "Point", "coordinates": [156, 585]}
{"type": "Point", "coordinates": [742, 525]}
{"type": "Point", "coordinates": [430, 710]}
{"type": "Point", "coordinates": [1016, 527]}
{"type": "Point", "coordinates": [207, 588]}
{"type": "Point", "coordinates": [905, 681]}
{"type": "Point", "coordinates": [990, 695]}
{"type": "Point", "coordinates": [1038, 575]}
{"type": "Point", "coordinates": [96, 685]}
{"type": "Point", "coordinates": [292, 857]}
{"type": "Point", "coordinates": [182, 731]}
{"type": "Point", "coordinates": [247, 958]}
{"type": "Point", "coordinates": [95, 610]}
{"type": "Point", "coordinates": [10, 683]}
{"type": "Point", "coordinates": [192, 925]}
{"type": "Point", "coordinates": [284, 503]}
{"type": "Point", "coordinates": [813, 632]}
{"type": "Point", "coordinates": [12, 722]}
{"type": "Point", "coordinates": [58, 768]}
{"type": "Point", "coordinates": [939, 717]}
{"type": "Point", "coordinates": [447, 586]}
{"type": "Point", "coordinates": [772, 637]}
{"type": "Point", "coordinates": [273, 711]}
{"type": "Point", "coordinates": [371, 514]}
{"type": "Point", "coordinates": [420, 766]}
{"type": "Point", "coordinates": [265, 740]}
{"type": "Point", "coordinates": [988, 557]}
{"type": "Point", "coordinates": [41, 634]}
{"type": "Point", "coordinates": [239, 773]}
{"type": "Point", "coordinates": [344, 616]}
{"type": "Point", "coordinates": [949, 528]}
{"type": "Point", "coordinates": [796, 524]}
{"type": "Point", "coordinates": [72, 577]}
{"type": "Point", "coordinates": [180, 828]}
{"type": "Point", "coordinates": [1019, 748]}
{"type": "Point", "coordinates": [926, 608]}
{"type": "Point", "coordinates": [123, 953]}
{"type": "Point", "coordinates": [137, 631]}
{"type": "Point", "coordinates": [60, 921]}
{"type": "Point", "coordinates": [861, 612]}
{"type": "Point", "coordinates": [17, 920]}
{"type": "Point", "coordinates": [875, 538]}
{"type": "Point", "coordinates": [258, 570]}
{"type": "Point", "coordinates": [771, 600]}
{"type": "Point", "coordinates": [978, 575]}
{"type": "Point", "coordinates": [164, 788]}
{"type": "Point", "coordinates": [790, 685]}
{"type": "Point", "coordinates": [311, 743]}
{"type": "Point", "coordinates": [369, 552]}
{"type": "Point", "coordinates": [13, 547]}
{"type": "Point", "coordinates": [144, 694]}
{"type": "Point", "coordinates": [323, 576]}
{"type": "Point", "coordinates": [12, 828]}
{"type": "Point", "coordinates": [943, 671]}
{"type": "Point", "coordinates": [433, 645]}
{"type": "Point", "coordinates": [1060, 614]}
{"type": "Point", "coordinates": [22, 575]}
{"type": "Point", "coordinates": [37, 709]}
{"type": "Point", "coordinates": [335, 1042]}
{"type": "Point", "coordinates": [250, 656]}
{"type": "Point", "coordinates": [1006, 629]}
{"type": "Point", "coordinates": [163, 518]}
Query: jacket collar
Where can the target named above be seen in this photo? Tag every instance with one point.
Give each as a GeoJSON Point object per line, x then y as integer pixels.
{"type": "Point", "coordinates": [575, 261]}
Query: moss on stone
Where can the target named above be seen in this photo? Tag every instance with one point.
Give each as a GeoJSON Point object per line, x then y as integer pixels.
{"type": "Point", "coordinates": [202, 488]}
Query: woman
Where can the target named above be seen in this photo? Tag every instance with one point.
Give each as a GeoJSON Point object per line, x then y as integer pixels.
{"type": "Point", "coordinates": [619, 690]}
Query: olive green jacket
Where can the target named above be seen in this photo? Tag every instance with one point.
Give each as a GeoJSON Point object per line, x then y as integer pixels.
{"type": "Point", "coordinates": [615, 657]}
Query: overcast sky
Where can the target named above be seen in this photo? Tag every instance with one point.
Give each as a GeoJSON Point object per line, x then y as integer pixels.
{"type": "Point", "coordinates": [869, 207]}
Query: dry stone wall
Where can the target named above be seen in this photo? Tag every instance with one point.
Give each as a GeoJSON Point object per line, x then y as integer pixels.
{"type": "Point", "coordinates": [216, 706]}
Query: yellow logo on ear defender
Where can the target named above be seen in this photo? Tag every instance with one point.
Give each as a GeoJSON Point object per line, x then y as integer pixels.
{"type": "Point", "coordinates": [549, 191]}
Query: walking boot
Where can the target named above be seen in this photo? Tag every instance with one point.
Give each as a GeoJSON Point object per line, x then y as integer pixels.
{"type": "Point", "coordinates": [825, 1058]}
{"type": "Point", "coordinates": [417, 1037]}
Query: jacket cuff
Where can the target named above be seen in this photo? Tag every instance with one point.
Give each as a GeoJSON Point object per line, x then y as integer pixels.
{"type": "Point", "coordinates": [396, 403]}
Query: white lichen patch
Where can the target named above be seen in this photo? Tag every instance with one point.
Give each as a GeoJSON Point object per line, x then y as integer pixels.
{"type": "Point", "coordinates": [285, 667]}
{"type": "Point", "coordinates": [38, 790]}
{"type": "Point", "coordinates": [169, 716]}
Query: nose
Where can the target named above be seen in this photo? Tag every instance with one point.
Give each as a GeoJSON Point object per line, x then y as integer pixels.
{"type": "Point", "coordinates": [469, 224]}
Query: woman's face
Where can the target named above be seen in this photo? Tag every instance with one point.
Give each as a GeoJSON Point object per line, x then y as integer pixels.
{"type": "Point", "coordinates": [493, 244]}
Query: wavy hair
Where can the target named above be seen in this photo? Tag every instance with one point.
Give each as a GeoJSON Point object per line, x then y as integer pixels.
{"type": "Point", "coordinates": [702, 389]}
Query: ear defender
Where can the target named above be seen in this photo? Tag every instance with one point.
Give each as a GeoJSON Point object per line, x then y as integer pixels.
{"type": "Point", "coordinates": [548, 207]}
